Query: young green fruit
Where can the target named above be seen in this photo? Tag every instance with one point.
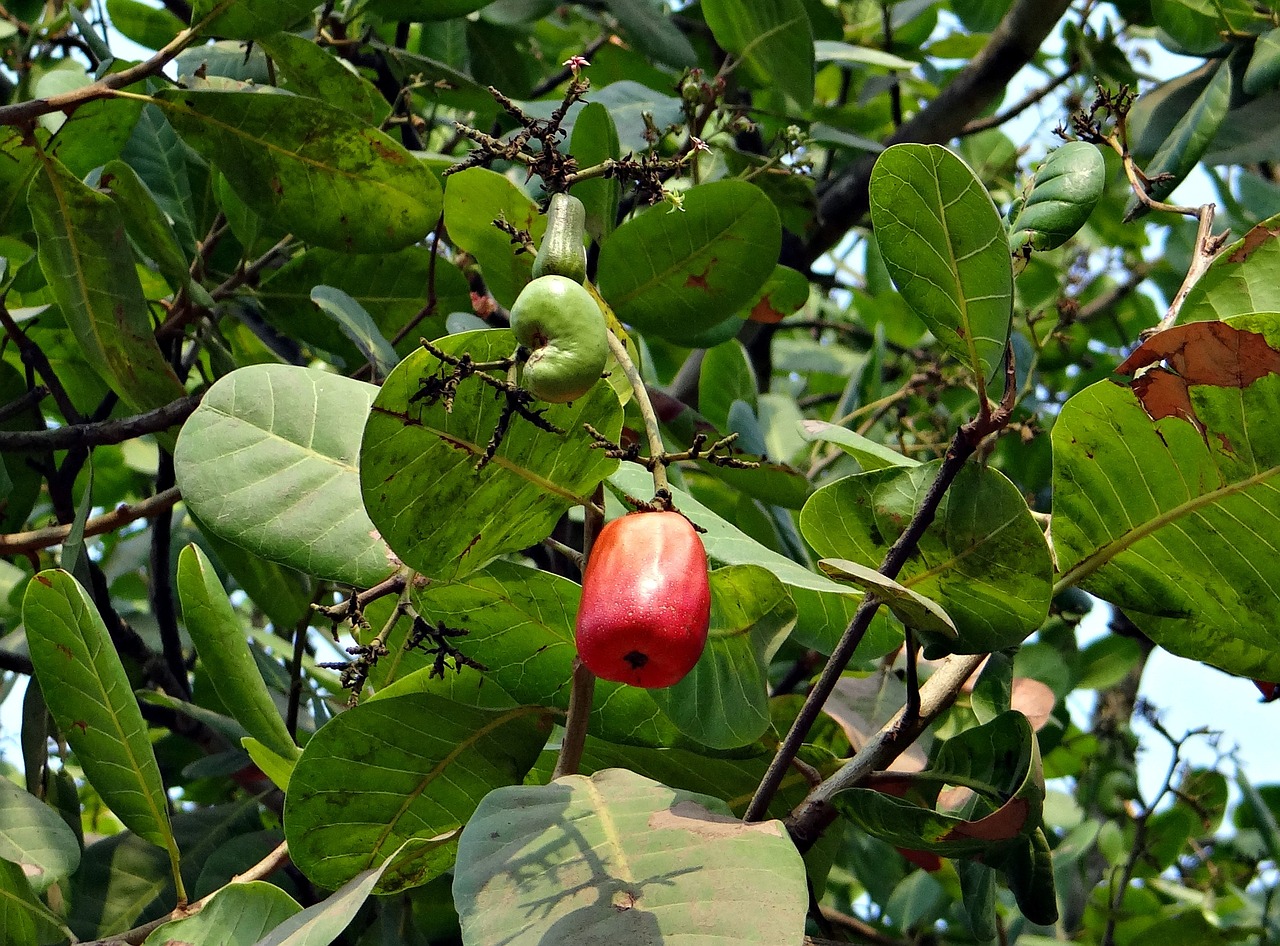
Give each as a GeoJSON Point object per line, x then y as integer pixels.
{"type": "Point", "coordinates": [646, 601]}
{"type": "Point", "coordinates": [564, 328]}
{"type": "Point", "coordinates": [561, 252]}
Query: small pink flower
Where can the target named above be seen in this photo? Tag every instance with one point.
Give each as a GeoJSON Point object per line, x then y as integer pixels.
{"type": "Point", "coordinates": [575, 63]}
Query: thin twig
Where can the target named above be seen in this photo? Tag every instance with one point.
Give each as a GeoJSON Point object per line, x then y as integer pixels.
{"type": "Point", "coordinates": [1020, 106]}
{"type": "Point", "coordinates": [19, 543]}
{"type": "Point", "coordinates": [35, 357]}
{"type": "Point", "coordinates": [67, 102]}
{"type": "Point", "coordinates": [647, 413]}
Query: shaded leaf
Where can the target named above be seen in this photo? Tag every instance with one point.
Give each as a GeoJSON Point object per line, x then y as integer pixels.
{"type": "Point", "coordinates": [945, 247]}
{"type": "Point", "coordinates": [435, 760]}
{"type": "Point", "coordinates": [90, 269]}
{"type": "Point", "coordinates": [289, 438]}
{"type": "Point", "coordinates": [648, 25]}
{"type": "Point", "coordinates": [24, 919]}
{"type": "Point", "coordinates": [418, 472]}
{"type": "Point", "coordinates": [307, 69]}
{"type": "Point", "coordinates": [1166, 477]}
{"type": "Point", "coordinates": [785, 293]}
{"type": "Point", "coordinates": [619, 857]}
{"type": "Point", "coordinates": [247, 19]}
{"type": "Point", "coordinates": [595, 139]}
{"type": "Point", "coordinates": [678, 273]}
{"type": "Point", "coordinates": [279, 156]}
{"type": "Point", "coordinates": [358, 327]}
{"type": "Point", "coordinates": [724, 700]}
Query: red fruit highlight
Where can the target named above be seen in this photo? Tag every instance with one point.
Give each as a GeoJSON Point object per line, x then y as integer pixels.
{"type": "Point", "coordinates": [646, 601]}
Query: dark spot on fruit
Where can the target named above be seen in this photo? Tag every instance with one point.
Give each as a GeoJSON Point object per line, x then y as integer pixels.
{"type": "Point", "coordinates": [636, 659]}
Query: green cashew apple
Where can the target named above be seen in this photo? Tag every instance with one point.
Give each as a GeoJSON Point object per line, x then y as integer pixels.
{"type": "Point", "coordinates": [561, 252]}
{"type": "Point", "coordinates": [559, 321]}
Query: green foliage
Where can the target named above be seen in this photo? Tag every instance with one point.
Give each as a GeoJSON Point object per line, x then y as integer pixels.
{"type": "Point", "coordinates": [320, 544]}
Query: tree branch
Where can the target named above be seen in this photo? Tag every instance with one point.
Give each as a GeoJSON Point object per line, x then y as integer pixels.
{"type": "Point", "coordinates": [100, 433]}
{"type": "Point", "coordinates": [20, 543]}
{"type": "Point", "coordinates": [842, 202]}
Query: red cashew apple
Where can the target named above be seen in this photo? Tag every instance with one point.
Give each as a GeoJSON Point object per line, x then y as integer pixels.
{"type": "Point", "coordinates": [646, 601]}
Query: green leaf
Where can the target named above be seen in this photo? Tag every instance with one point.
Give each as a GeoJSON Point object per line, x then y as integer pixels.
{"type": "Point", "coordinates": [358, 326]}
{"type": "Point", "coordinates": [1190, 138]}
{"type": "Point", "coordinates": [247, 19]}
{"type": "Point", "coordinates": [1196, 26]}
{"type": "Point", "coordinates": [34, 835]}
{"type": "Point", "coordinates": [321, 923]}
{"type": "Point", "coordinates": [220, 641]}
{"type": "Point", "coordinates": [240, 914]}
{"type": "Point", "coordinates": [678, 273]}
{"type": "Point", "coordinates": [773, 41]}
{"type": "Point", "coordinates": [306, 69]}
{"type": "Point", "coordinates": [617, 857]}
{"type": "Point", "coordinates": [1171, 475]}
{"type": "Point", "coordinates": [147, 26]}
{"type": "Point", "coordinates": [1263, 72]}
{"type": "Point", "coordinates": [288, 438]}
{"type": "Point", "coordinates": [85, 687]}
{"type": "Point", "coordinates": [24, 919]}
{"type": "Point", "coordinates": [824, 606]}
{"type": "Point", "coordinates": [784, 293]}
{"type": "Point", "coordinates": [984, 559]}
{"type": "Point", "coordinates": [1065, 190]}
{"type": "Point", "coordinates": [870, 454]}
{"type": "Point", "coordinates": [724, 701]}
{"type": "Point", "coordinates": [519, 623]}
{"type": "Point", "coordinates": [1241, 279]}
{"type": "Point", "coordinates": [911, 608]}
{"type": "Point", "coordinates": [440, 515]}
{"type": "Point", "coordinates": [424, 11]}
{"type": "Point", "coordinates": [946, 249]}
{"type": "Point", "coordinates": [90, 268]}
{"type": "Point", "coordinates": [473, 200]}
{"type": "Point", "coordinates": [726, 376]}
{"type": "Point", "coordinates": [277, 768]}
{"type": "Point", "coordinates": [648, 25]}
{"type": "Point", "coordinates": [595, 139]}
{"type": "Point", "coordinates": [392, 288]}
{"type": "Point", "coordinates": [435, 761]}
{"type": "Point", "coordinates": [827, 50]}
{"type": "Point", "coordinates": [278, 155]}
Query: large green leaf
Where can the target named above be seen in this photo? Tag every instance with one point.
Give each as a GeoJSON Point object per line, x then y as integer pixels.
{"type": "Point", "coordinates": [649, 27]}
{"type": "Point", "coordinates": [1241, 279]}
{"type": "Point", "coordinates": [724, 701]}
{"type": "Point", "coordinates": [220, 641]}
{"type": "Point", "coordinates": [824, 606]}
{"type": "Point", "coordinates": [1165, 498]}
{"type": "Point", "coordinates": [519, 624]}
{"type": "Point", "coordinates": [1196, 27]}
{"type": "Point", "coordinates": [773, 41]}
{"type": "Point", "coordinates": [34, 835]}
{"type": "Point", "coordinates": [619, 858]}
{"type": "Point", "coordinates": [288, 439]}
{"type": "Point", "coordinates": [595, 140]}
{"type": "Point", "coordinates": [418, 462]}
{"type": "Point", "coordinates": [85, 687]}
{"type": "Point", "coordinates": [424, 10]}
{"type": "Point", "coordinates": [248, 19]}
{"type": "Point", "coordinates": [310, 167]}
{"type": "Point", "coordinates": [678, 273]}
{"type": "Point", "coordinates": [86, 259]}
{"type": "Point", "coordinates": [473, 200]}
{"type": "Point", "coordinates": [240, 914]}
{"type": "Point", "coordinates": [348, 809]}
{"type": "Point", "coordinates": [307, 69]}
{"type": "Point", "coordinates": [945, 247]}
{"type": "Point", "coordinates": [984, 559]}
